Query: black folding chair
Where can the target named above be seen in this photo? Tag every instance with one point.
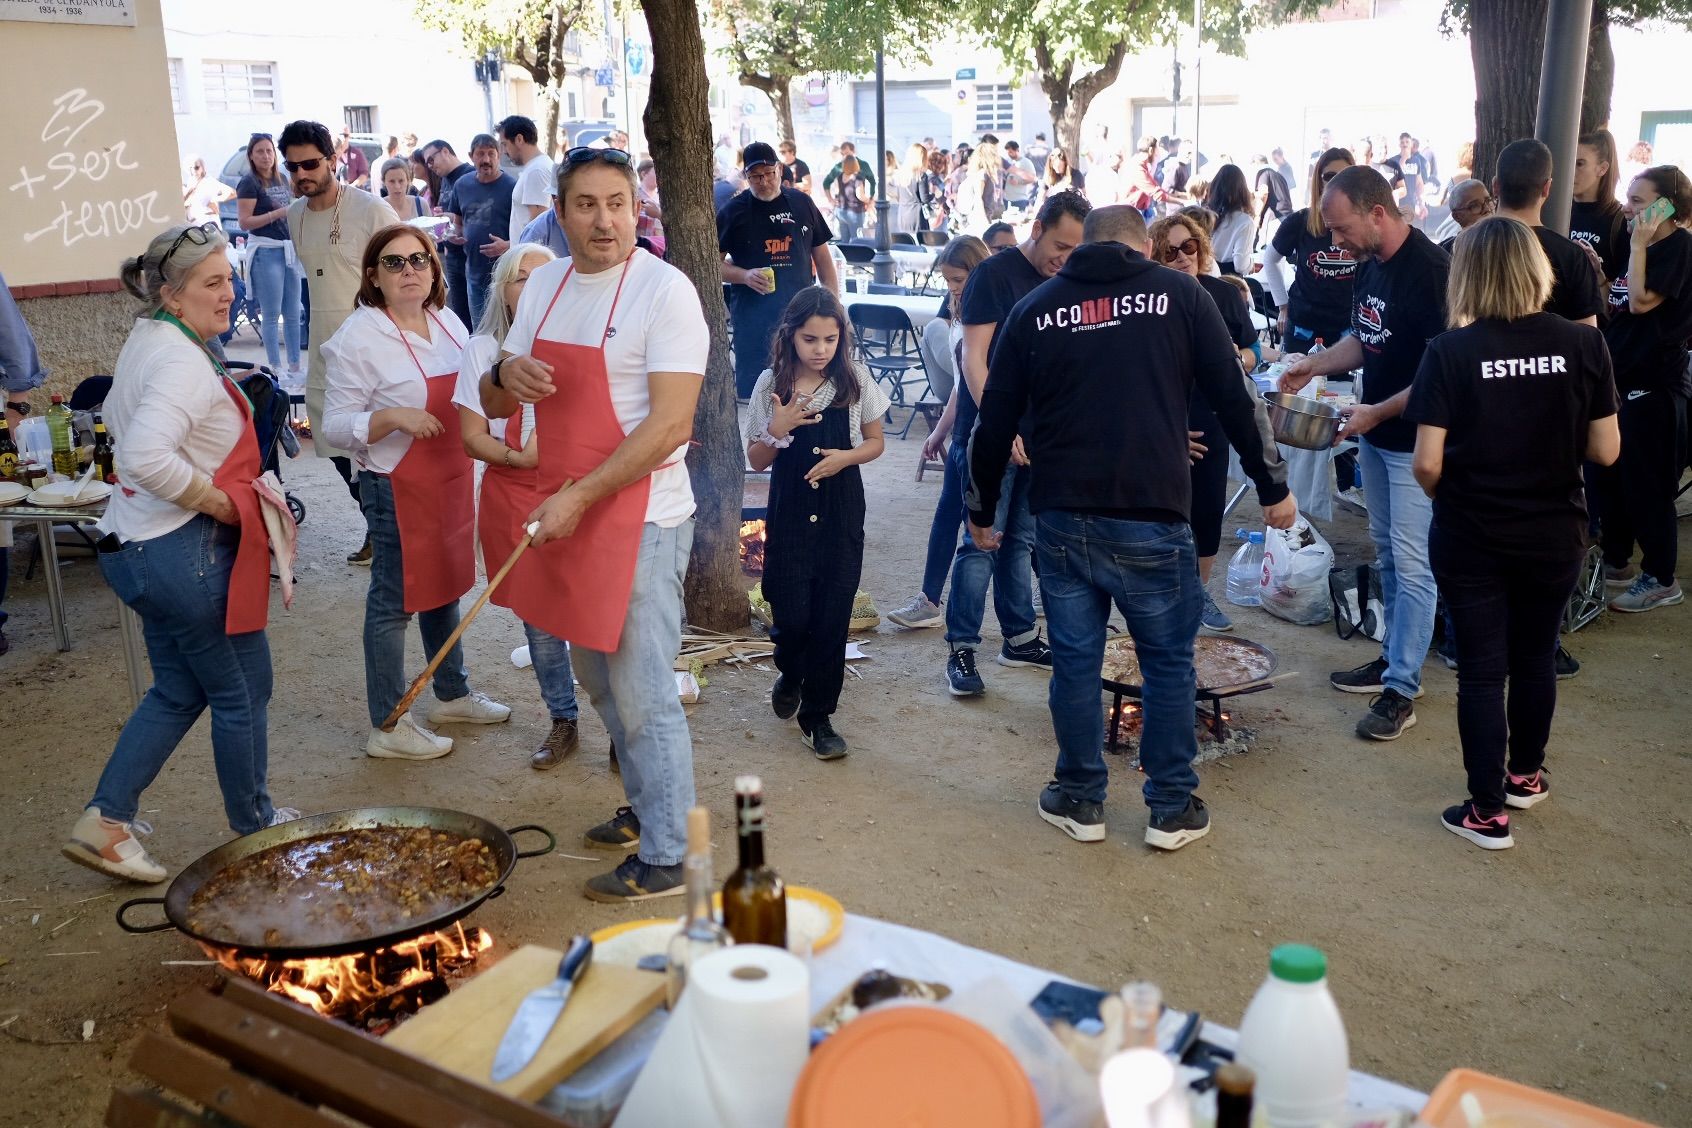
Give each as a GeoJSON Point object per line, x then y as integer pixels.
{"type": "Point", "coordinates": [904, 238]}
{"type": "Point", "coordinates": [933, 238]}
{"type": "Point", "coordinates": [891, 349]}
{"type": "Point", "coordinates": [1263, 303]}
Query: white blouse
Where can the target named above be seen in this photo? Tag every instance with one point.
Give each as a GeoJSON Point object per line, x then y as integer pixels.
{"type": "Point", "coordinates": [872, 404]}
{"type": "Point", "coordinates": [479, 356]}
{"type": "Point", "coordinates": [369, 368]}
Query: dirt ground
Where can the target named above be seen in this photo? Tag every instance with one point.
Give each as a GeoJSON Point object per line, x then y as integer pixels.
{"type": "Point", "coordinates": [1557, 963]}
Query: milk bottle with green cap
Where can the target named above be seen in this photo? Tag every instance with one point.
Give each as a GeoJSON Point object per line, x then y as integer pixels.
{"type": "Point", "coordinates": [1294, 1038]}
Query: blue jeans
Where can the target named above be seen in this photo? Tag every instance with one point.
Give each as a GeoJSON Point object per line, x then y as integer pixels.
{"type": "Point", "coordinates": [551, 656]}
{"type": "Point", "coordinates": [848, 225]}
{"type": "Point", "coordinates": [276, 285]}
{"type": "Point", "coordinates": [179, 585]}
{"type": "Point", "coordinates": [476, 283]}
{"type": "Point", "coordinates": [1149, 570]}
{"type": "Point", "coordinates": [1399, 516]}
{"type": "Point", "coordinates": [633, 690]}
{"type": "Point", "coordinates": [943, 533]}
{"type": "Point", "coordinates": [385, 616]}
{"type": "Point", "coordinates": [1008, 567]}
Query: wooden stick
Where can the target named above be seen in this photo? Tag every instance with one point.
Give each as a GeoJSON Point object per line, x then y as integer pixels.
{"type": "Point", "coordinates": [410, 697]}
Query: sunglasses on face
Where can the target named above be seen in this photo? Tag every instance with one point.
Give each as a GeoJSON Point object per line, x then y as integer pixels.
{"type": "Point", "coordinates": [1329, 174]}
{"type": "Point", "coordinates": [199, 236]}
{"type": "Point", "coordinates": [312, 165]}
{"type": "Point", "coordinates": [1189, 248]}
{"type": "Point", "coordinates": [396, 264]}
{"type": "Point", "coordinates": [1475, 205]}
{"type": "Point", "coordinates": [582, 154]}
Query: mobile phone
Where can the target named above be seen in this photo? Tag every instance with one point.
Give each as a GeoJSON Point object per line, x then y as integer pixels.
{"type": "Point", "coordinates": [1070, 1002]}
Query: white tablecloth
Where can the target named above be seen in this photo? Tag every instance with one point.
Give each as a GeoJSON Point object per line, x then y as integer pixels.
{"type": "Point", "coordinates": [920, 308]}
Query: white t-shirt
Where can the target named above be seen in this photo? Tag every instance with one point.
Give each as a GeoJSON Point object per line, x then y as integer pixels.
{"type": "Point", "coordinates": [1018, 192]}
{"type": "Point", "coordinates": [659, 327]}
{"type": "Point", "coordinates": [535, 185]}
{"type": "Point", "coordinates": [369, 368]}
{"type": "Point", "coordinates": [479, 356]}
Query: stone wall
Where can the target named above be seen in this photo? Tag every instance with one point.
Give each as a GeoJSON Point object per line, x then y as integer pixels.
{"type": "Point", "coordinates": [79, 336]}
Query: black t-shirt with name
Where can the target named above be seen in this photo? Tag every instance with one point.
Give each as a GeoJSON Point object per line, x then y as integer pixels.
{"type": "Point", "coordinates": [1601, 225]}
{"type": "Point", "coordinates": [993, 289]}
{"type": "Point", "coordinates": [795, 172]}
{"type": "Point", "coordinates": [1411, 171]}
{"type": "Point", "coordinates": [779, 233]}
{"type": "Point", "coordinates": [1650, 348]}
{"type": "Point", "coordinates": [1398, 306]}
{"type": "Point", "coordinates": [1575, 291]}
{"type": "Point", "coordinates": [1322, 274]}
{"type": "Point", "coordinates": [1515, 399]}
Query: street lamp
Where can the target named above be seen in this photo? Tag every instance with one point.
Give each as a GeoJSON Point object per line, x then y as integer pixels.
{"type": "Point", "coordinates": [882, 264]}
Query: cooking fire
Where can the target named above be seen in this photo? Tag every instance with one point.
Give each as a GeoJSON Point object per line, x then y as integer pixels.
{"type": "Point", "coordinates": [1217, 736]}
{"type": "Point", "coordinates": [752, 548]}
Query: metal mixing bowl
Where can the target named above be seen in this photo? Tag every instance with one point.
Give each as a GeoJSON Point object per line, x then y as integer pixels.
{"type": "Point", "coordinates": [1302, 422]}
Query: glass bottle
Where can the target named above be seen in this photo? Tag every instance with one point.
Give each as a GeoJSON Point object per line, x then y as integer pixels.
{"type": "Point", "coordinates": [754, 896]}
{"type": "Point", "coordinates": [104, 461]}
{"type": "Point", "coordinates": [700, 933]}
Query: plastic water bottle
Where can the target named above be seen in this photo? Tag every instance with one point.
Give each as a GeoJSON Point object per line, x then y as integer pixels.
{"type": "Point", "coordinates": [1294, 1038]}
{"type": "Point", "coordinates": [64, 444]}
{"type": "Point", "coordinates": [1243, 570]}
{"type": "Point", "coordinates": [1314, 388]}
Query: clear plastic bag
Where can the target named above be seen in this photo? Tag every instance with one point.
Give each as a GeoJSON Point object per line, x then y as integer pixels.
{"type": "Point", "coordinates": [1294, 584]}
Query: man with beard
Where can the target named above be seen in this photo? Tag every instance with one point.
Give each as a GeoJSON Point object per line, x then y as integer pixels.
{"type": "Point", "coordinates": [482, 209]}
{"type": "Point", "coordinates": [330, 223]}
{"type": "Point", "coordinates": [1398, 306]}
{"type": "Point", "coordinates": [776, 241]}
{"type": "Point", "coordinates": [444, 163]}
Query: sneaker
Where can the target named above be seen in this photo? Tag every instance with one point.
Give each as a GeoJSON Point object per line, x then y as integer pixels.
{"type": "Point", "coordinates": [784, 698]}
{"type": "Point", "coordinates": [1567, 664]}
{"type": "Point", "coordinates": [961, 676]}
{"type": "Point", "coordinates": [361, 558]}
{"type": "Point", "coordinates": [474, 708]}
{"type": "Point", "coordinates": [1489, 832]}
{"type": "Point", "coordinates": [558, 746]}
{"type": "Point", "coordinates": [620, 832]}
{"type": "Point", "coordinates": [1083, 822]}
{"type": "Point", "coordinates": [1034, 652]}
{"type": "Point", "coordinates": [919, 612]}
{"type": "Point", "coordinates": [1367, 678]}
{"type": "Point", "coordinates": [1620, 579]}
{"type": "Point", "coordinates": [635, 880]}
{"type": "Point", "coordinates": [112, 847]}
{"type": "Point", "coordinates": [1522, 792]}
{"type": "Point", "coordinates": [1212, 617]}
{"type": "Point", "coordinates": [1388, 716]}
{"type": "Point", "coordinates": [408, 741]}
{"type": "Point", "coordinates": [280, 815]}
{"type": "Point", "coordinates": [823, 740]}
{"type": "Point", "coordinates": [1171, 832]}
{"type": "Point", "coordinates": [1447, 652]}
{"type": "Point", "coordinates": [616, 768]}
{"type": "Point", "coordinates": [1646, 594]}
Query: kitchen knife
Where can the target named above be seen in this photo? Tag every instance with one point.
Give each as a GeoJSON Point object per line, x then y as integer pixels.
{"type": "Point", "coordinates": [538, 1012]}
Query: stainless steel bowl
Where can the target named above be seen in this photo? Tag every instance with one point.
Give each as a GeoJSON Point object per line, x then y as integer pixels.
{"type": "Point", "coordinates": [1302, 422]}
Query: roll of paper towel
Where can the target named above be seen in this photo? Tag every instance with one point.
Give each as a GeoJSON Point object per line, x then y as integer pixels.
{"type": "Point", "coordinates": [734, 1046]}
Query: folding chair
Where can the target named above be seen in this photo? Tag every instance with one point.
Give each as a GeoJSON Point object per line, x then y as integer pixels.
{"type": "Point", "coordinates": [1263, 303]}
{"type": "Point", "coordinates": [891, 349]}
{"type": "Point", "coordinates": [904, 238]}
{"type": "Point", "coordinates": [932, 238]}
{"type": "Point", "coordinates": [859, 257]}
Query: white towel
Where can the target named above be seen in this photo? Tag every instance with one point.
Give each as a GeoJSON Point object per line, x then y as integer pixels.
{"type": "Point", "coordinates": [279, 528]}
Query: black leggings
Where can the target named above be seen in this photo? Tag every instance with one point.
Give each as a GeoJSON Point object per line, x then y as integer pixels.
{"type": "Point", "coordinates": [1637, 493]}
{"type": "Point", "coordinates": [1507, 611]}
{"type": "Point", "coordinates": [344, 467]}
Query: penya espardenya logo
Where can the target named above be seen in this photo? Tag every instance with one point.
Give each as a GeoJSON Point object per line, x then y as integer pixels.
{"type": "Point", "coordinates": [1369, 318]}
{"type": "Point", "coordinates": [1334, 262]}
{"type": "Point", "coordinates": [1618, 294]}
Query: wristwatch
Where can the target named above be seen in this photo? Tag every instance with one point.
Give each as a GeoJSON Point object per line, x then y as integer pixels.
{"type": "Point", "coordinates": [493, 373]}
{"type": "Point", "coordinates": [19, 406]}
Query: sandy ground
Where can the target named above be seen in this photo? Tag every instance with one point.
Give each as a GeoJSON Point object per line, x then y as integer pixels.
{"type": "Point", "coordinates": [1557, 963]}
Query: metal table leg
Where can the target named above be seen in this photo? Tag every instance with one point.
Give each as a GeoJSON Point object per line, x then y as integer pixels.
{"type": "Point", "coordinates": [129, 627]}
{"type": "Point", "coordinates": [55, 591]}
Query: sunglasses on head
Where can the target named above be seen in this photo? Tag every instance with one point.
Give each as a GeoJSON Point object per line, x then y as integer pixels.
{"type": "Point", "coordinates": [199, 236]}
{"type": "Point", "coordinates": [312, 165]}
{"type": "Point", "coordinates": [582, 154]}
{"type": "Point", "coordinates": [1190, 248]}
{"type": "Point", "coordinates": [396, 264]}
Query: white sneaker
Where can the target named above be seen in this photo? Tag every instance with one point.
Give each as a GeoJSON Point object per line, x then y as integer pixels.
{"type": "Point", "coordinates": [474, 708]}
{"type": "Point", "coordinates": [407, 742]}
{"type": "Point", "coordinates": [919, 612]}
{"type": "Point", "coordinates": [112, 848]}
{"type": "Point", "coordinates": [281, 815]}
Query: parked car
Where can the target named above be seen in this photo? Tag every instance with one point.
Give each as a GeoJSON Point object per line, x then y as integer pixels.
{"type": "Point", "coordinates": [236, 167]}
{"type": "Point", "coordinates": [577, 133]}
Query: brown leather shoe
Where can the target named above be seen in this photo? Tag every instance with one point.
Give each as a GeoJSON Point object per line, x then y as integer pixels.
{"type": "Point", "coordinates": [557, 747]}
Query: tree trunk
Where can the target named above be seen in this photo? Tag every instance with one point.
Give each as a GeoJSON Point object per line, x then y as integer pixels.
{"type": "Point", "coordinates": [778, 88]}
{"type": "Point", "coordinates": [1507, 44]}
{"type": "Point", "coordinates": [678, 127]}
{"type": "Point", "coordinates": [554, 87]}
{"type": "Point", "coordinates": [1069, 98]}
{"type": "Point", "coordinates": [1600, 71]}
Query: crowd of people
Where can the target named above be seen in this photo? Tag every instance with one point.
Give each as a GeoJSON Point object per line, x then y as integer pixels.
{"type": "Point", "coordinates": [1098, 354]}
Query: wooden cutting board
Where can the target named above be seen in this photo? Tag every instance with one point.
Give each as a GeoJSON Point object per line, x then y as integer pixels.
{"type": "Point", "coordinates": [461, 1032]}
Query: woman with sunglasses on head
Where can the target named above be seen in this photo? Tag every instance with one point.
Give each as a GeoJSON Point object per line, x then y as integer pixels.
{"type": "Point", "coordinates": [392, 368]}
{"type": "Point", "coordinates": [1181, 244]}
{"type": "Point", "coordinates": [1317, 307]}
{"type": "Point", "coordinates": [184, 546]}
{"type": "Point", "coordinates": [262, 199]}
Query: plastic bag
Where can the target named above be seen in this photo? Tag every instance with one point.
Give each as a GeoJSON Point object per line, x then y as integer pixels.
{"type": "Point", "coordinates": [1296, 563]}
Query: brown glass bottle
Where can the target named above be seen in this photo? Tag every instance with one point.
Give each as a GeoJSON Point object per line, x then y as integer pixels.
{"type": "Point", "coordinates": [754, 896]}
{"type": "Point", "coordinates": [105, 465]}
{"type": "Point", "coordinates": [1234, 1085]}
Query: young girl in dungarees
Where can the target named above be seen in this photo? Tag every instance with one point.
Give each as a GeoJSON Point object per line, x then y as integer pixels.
{"type": "Point", "coordinates": [813, 421]}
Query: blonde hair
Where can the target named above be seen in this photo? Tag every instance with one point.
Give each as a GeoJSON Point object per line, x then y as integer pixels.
{"type": "Point", "coordinates": [496, 319]}
{"type": "Point", "coordinates": [1498, 271]}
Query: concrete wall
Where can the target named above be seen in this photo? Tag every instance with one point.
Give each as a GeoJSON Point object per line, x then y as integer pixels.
{"type": "Point", "coordinates": [79, 336]}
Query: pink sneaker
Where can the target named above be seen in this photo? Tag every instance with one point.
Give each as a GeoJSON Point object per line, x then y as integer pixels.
{"type": "Point", "coordinates": [112, 848]}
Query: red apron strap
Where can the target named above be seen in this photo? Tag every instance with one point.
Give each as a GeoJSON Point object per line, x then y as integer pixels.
{"type": "Point", "coordinates": [556, 294]}
{"type": "Point", "coordinates": [409, 350]}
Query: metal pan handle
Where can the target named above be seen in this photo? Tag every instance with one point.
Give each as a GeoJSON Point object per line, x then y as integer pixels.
{"type": "Point", "coordinates": [551, 842]}
{"type": "Point", "coordinates": [127, 905]}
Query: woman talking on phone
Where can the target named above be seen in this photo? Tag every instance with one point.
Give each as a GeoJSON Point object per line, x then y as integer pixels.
{"type": "Point", "coordinates": [1650, 319]}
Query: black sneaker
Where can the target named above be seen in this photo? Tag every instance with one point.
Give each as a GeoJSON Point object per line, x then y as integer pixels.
{"type": "Point", "coordinates": [1034, 652]}
{"type": "Point", "coordinates": [1171, 832]}
{"type": "Point", "coordinates": [1083, 822]}
{"type": "Point", "coordinates": [1367, 678]}
{"type": "Point", "coordinates": [823, 740]}
{"type": "Point", "coordinates": [636, 880]}
{"type": "Point", "coordinates": [1522, 792]}
{"type": "Point", "coordinates": [361, 558]}
{"type": "Point", "coordinates": [621, 832]}
{"type": "Point", "coordinates": [1489, 832]}
{"type": "Point", "coordinates": [962, 677]}
{"type": "Point", "coordinates": [1567, 664]}
{"type": "Point", "coordinates": [1388, 716]}
{"type": "Point", "coordinates": [784, 698]}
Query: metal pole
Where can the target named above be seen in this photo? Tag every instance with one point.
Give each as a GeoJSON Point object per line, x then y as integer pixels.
{"type": "Point", "coordinates": [1198, 78]}
{"type": "Point", "coordinates": [1562, 80]}
{"type": "Point", "coordinates": [885, 273]}
{"type": "Point", "coordinates": [487, 87]}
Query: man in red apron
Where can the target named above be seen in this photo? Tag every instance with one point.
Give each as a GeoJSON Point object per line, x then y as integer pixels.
{"type": "Point", "coordinates": [610, 346]}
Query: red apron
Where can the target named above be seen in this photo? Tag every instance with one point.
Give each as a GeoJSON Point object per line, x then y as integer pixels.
{"type": "Point", "coordinates": [509, 495]}
{"type": "Point", "coordinates": [248, 607]}
{"type": "Point", "coordinates": [435, 500]}
{"type": "Point", "coordinates": [580, 591]}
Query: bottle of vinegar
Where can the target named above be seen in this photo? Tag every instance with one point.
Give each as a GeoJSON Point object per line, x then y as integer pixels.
{"type": "Point", "coordinates": [700, 934]}
{"type": "Point", "coordinates": [754, 896]}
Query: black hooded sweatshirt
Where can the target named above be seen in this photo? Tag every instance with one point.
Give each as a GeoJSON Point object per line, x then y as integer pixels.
{"type": "Point", "coordinates": [1104, 358]}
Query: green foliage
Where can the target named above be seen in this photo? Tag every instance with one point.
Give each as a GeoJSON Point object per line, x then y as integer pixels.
{"type": "Point", "coordinates": [786, 39]}
{"type": "Point", "coordinates": [1622, 13]}
{"type": "Point", "coordinates": [513, 27]}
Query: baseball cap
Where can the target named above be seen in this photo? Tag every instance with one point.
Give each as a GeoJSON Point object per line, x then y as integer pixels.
{"type": "Point", "coordinates": [758, 153]}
